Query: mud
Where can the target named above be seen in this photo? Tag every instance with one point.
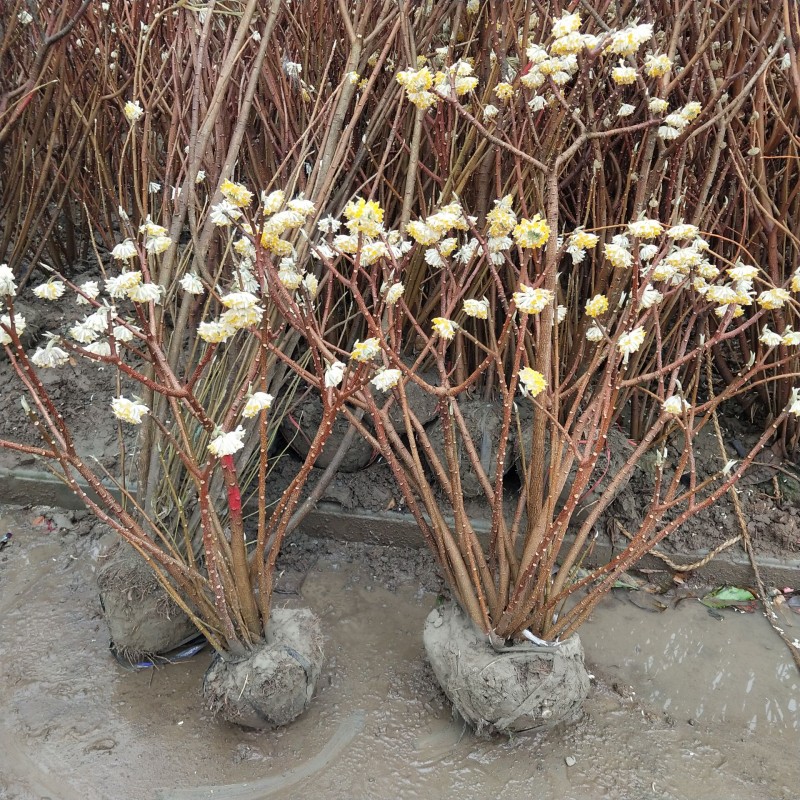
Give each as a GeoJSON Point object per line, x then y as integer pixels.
{"type": "Point", "coordinates": [682, 705]}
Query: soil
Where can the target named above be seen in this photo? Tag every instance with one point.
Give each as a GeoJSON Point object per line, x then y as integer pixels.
{"type": "Point", "coordinates": [683, 705]}
{"type": "Point", "coordinates": [82, 390]}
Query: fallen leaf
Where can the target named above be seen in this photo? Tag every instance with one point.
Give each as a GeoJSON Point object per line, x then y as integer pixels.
{"type": "Point", "coordinates": [727, 597]}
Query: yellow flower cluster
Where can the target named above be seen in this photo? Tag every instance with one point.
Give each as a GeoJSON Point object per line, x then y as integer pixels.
{"type": "Point", "coordinates": [597, 305]}
{"type": "Point", "coordinates": [623, 75]}
{"type": "Point", "coordinates": [657, 65]}
{"type": "Point", "coordinates": [630, 342]}
{"type": "Point", "coordinates": [429, 231]}
{"type": "Point", "coordinates": [566, 24]}
{"type": "Point", "coordinates": [417, 83]}
{"type": "Point", "coordinates": [532, 301]}
{"type": "Point", "coordinates": [645, 228]}
{"type": "Point", "coordinates": [385, 379]}
{"type": "Point", "coordinates": [532, 233]}
{"type": "Point", "coordinates": [773, 298]}
{"type": "Point", "coordinates": [243, 311]}
{"type": "Point", "coordinates": [531, 382]}
{"type": "Point", "coordinates": [236, 193]}
{"type": "Point", "coordinates": [504, 91]}
{"type": "Point", "coordinates": [129, 411]}
{"type": "Point", "coordinates": [446, 328]}
{"type": "Point", "coordinates": [479, 309]}
{"type": "Point", "coordinates": [394, 293]}
{"type": "Point", "coordinates": [501, 219]}
{"type": "Point", "coordinates": [281, 217]}
{"type": "Point", "coordinates": [257, 402]}
{"type": "Point", "coordinates": [365, 351]}
{"type": "Point", "coordinates": [583, 240]}
{"type": "Point", "coordinates": [627, 41]}
{"type": "Point", "coordinates": [51, 290]}
{"type": "Point", "coordinates": [364, 216]}
{"type": "Point", "coordinates": [458, 78]}
{"type": "Point", "coordinates": [657, 105]}
{"type": "Point", "coordinates": [619, 256]}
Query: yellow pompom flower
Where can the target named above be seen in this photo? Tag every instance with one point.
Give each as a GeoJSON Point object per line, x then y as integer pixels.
{"type": "Point", "coordinates": [532, 301]}
{"type": "Point", "coordinates": [415, 80]}
{"type": "Point", "coordinates": [422, 233]}
{"type": "Point", "coordinates": [364, 216]}
{"type": "Point", "coordinates": [645, 228]}
{"type": "Point", "coordinates": [501, 219]}
{"type": "Point", "coordinates": [504, 91]}
{"type": "Point", "coordinates": [386, 379]}
{"type": "Point", "coordinates": [630, 342]}
{"type": "Point", "coordinates": [583, 240]}
{"type": "Point", "coordinates": [236, 193]}
{"type": "Point", "coordinates": [657, 65]}
{"type": "Point", "coordinates": [566, 24]}
{"type": "Point", "coordinates": [623, 75]}
{"type": "Point", "coordinates": [272, 243]}
{"type": "Point", "coordinates": [657, 105]}
{"type": "Point", "coordinates": [273, 202]}
{"type": "Point", "coordinates": [479, 309]}
{"type": "Point", "coordinates": [597, 305]}
{"type": "Point", "coordinates": [133, 111]}
{"type": "Point", "coordinates": [627, 41]}
{"type": "Point", "coordinates": [394, 293]}
{"type": "Point", "coordinates": [51, 290]}
{"type": "Point", "coordinates": [446, 328]}
{"type": "Point", "coordinates": [366, 350]}
{"type": "Point", "coordinates": [675, 405]}
{"type": "Point", "coordinates": [238, 318]}
{"type": "Point", "coordinates": [258, 401]}
{"type": "Point", "coordinates": [128, 411]}
{"type": "Point", "coordinates": [215, 332]}
{"type": "Point", "coordinates": [774, 298]}
{"type": "Point", "coordinates": [532, 233]}
{"type": "Point", "coordinates": [531, 382]}
{"type": "Point", "coordinates": [619, 256]}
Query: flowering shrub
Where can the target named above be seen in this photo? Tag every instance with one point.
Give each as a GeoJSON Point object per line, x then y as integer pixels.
{"type": "Point", "coordinates": [544, 225]}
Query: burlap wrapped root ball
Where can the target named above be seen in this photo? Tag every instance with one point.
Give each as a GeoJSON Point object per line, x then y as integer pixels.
{"type": "Point", "coordinates": [524, 689]}
{"type": "Point", "coordinates": [274, 683]}
{"type": "Point", "coordinates": [142, 618]}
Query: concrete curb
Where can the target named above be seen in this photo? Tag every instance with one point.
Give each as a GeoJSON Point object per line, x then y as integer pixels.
{"type": "Point", "coordinates": [32, 487]}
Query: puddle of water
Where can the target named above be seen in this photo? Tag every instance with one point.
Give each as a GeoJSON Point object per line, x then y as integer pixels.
{"type": "Point", "coordinates": [735, 672]}
{"type": "Point", "coordinates": [76, 725]}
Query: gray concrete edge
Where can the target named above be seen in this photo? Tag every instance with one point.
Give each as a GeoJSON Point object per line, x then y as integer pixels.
{"type": "Point", "coordinates": [34, 487]}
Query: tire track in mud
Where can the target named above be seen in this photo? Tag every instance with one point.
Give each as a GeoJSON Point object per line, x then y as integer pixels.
{"type": "Point", "coordinates": [348, 729]}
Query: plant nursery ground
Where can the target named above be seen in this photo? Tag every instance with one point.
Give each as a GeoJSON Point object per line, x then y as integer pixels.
{"type": "Point", "coordinates": [684, 704]}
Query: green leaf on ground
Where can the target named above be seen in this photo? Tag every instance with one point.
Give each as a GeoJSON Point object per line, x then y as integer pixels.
{"type": "Point", "coordinates": [726, 597]}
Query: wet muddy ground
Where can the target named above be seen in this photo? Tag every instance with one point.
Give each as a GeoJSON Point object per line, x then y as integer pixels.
{"type": "Point", "coordinates": [683, 705]}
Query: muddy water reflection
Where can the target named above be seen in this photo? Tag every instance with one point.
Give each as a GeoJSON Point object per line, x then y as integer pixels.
{"type": "Point", "coordinates": [714, 712]}
{"type": "Point", "coordinates": [735, 671]}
